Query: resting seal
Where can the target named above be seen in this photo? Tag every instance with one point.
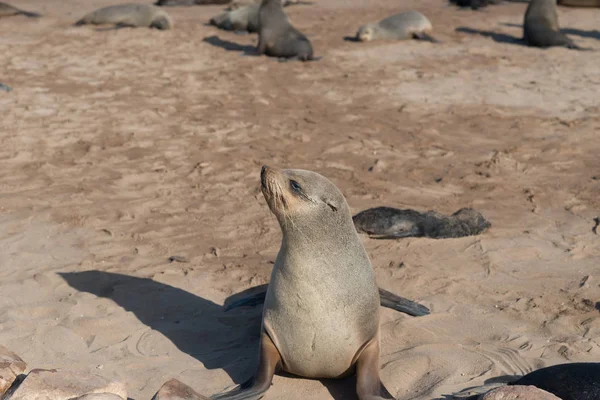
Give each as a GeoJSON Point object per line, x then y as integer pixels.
{"type": "Point", "coordinates": [241, 18]}
{"type": "Point", "coordinates": [321, 313]}
{"type": "Point", "coordinates": [574, 381]}
{"type": "Point", "coordinates": [129, 15]}
{"type": "Point", "coordinates": [277, 37]}
{"type": "Point", "coordinates": [6, 10]}
{"type": "Point", "coordinates": [540, 28]}
{"type": "Point", "coordinates": [403, 26]}
{"type": "Point", "coordinates": [579, 3]}
{"type": "Point", "coordinates": [393, 223]}
{"type": "Point", "coordinates": [190, 2]}
{"type": "Point", "coordinates": [475, 4]}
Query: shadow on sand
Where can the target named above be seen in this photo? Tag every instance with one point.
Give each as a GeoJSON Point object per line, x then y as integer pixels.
{"type": "Point", "coordinates": [197, 326]}
{"type": "Point", "coordinates": [246, 50]}
{"type": "Point", "coordinates": [497, 37]}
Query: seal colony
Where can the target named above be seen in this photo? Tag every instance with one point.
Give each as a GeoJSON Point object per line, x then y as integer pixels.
{"type": "Point", "coordinates": [321, 312]}
{"type": "Point", "coordinates": [129, 15]}
{"type": "Point", "coordinates": [6, 10]}
{"type": "Point", "coordinates": [402, 26]}
{"type": "Point", "coordinates": [393, 223]}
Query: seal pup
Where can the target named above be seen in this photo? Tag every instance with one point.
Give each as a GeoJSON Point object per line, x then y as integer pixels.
{"type": "Point", "coordinates": [394, 223]}
{"type": "Point", "coordinates": [540, 28]}
{"type": "Point", "coordinates": [129, 15]}
{"type": "Point", "coordinates": [190, 2]}
{"type": "Point", "coordinates": [321, 313]}
{"type": "Point", "coordinates": [6, 10]}
{"type": "Point", "coordinates": [277, 37]}
{"type": "Point", "coordinates": [402, 26]}
{"type": "Point", "coordinates": [572, 381]}
{"type": "Point", "coordinates": [386, 299]}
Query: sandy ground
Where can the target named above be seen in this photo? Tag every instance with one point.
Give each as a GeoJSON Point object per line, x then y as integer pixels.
{"type": "Point", "coordinates": [121, 148]}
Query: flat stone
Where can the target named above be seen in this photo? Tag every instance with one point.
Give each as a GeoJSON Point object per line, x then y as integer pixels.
{"type": "Point", "coordinates": [518, 393]}
{"type": "Point", "coordinates": [44, 384]}
{"type": "Point", "coordinates": [11, 366]}
{"type": "Point", "coordinates": [177, 390]}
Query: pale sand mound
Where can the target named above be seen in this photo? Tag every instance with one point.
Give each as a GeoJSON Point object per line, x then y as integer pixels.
{"type": "Point", "coordinates": [121, 148]}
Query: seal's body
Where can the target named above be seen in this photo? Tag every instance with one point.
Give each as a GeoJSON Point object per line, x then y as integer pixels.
{"type": "Point", "coordinates": [6, 10]}
{"type": "Point", "coordinates": [190, 2]}
{"type": "Point", "coordinates": [574, 381]}
{"type": "Point", "coordinates": [392, 223]}
{"type": "Point", "coordinates": [132, 15]}
{"type": "Point", "coordinates": [579, 3]}
{"type": "Point", "coordinates": [276, 35]}
{"type": "Point", "coordinates": [540, 28]}
{"type": "Point", "coordinates": [321, 312]}
{"type": "Point", "coordinates": [242, 19]}
{"type": "Point", "coordinates": [402, 26]}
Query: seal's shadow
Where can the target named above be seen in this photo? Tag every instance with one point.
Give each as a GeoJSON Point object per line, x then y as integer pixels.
{"type": "Point", "coordinates": [595, 34]}
{"type": "Point", "coordinates": [197, 326]}
{"type": "Point", "coordinates": [495, 36]}
{"type": "Point", "coordinates": [246, 50]}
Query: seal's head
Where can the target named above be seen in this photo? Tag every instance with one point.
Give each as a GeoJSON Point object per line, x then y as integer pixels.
{"type": "Point", "coordinates": [300, 198]}
{"type": "Point", "coordinates": [366, 33]}
{"type": "Point", "coordinates": [162, 22]}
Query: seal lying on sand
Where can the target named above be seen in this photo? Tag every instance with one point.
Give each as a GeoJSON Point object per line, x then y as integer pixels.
{"type": "Point", "coordinates": [277, 37]}
{"type": "Point", "coordinates": [574, 381]}
{"type": "Point", "coordinates": [475, 4]}
{"type": "Point", "coordinates": [540, 28]}
{"type": "Point", "coordinates": [386, 299]}
{"type": "Point", "coordinates": [321, 313]}
{"type": "Point", "coordinates": [403, 26]}
{"type": "Point", "coordinates": [129, 15]}
{"type": "Point", "coordinates": [190, 2]}
{"type": "Point", "coordinates": [242, 18]}
{"type": "Point", "coordinates": [393, 223]}
{"type": "Point", "coordinates": [579, 3]}
{"type": "Point", "coordinates": [6, 10]}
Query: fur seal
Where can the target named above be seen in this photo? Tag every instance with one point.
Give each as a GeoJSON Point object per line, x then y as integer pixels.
{"type": "Point", "coordinates": [164, 3]}
{"type": "Point", "coordinates": [393, 223]}
{"type": "Point", "coordinates": [241, 18]}
{"type": "Point", "coordinates": [402, 26]}
{"type": "Point", "coordinates": [386, 299]}
{"type": "Point", "coordinates": [540, 28]}
{"type": "Point", "coordinates": [6, 10]}
{"type": "Point", "coordinates": [129, 15]}
{"type": "Point", "coordinates": [573, 381]}
{"type": "Point", "coordinates": [579, 3]}
{"type": "Point", "coordinates": [277, 37]}
{"type": "Point", "coordinates": [321, 313]}
{"type": "Point", "coordinates": [475, 4]}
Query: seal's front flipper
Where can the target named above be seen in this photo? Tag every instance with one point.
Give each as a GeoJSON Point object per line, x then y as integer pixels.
{"type": "Point", "coordinates": [401, 304]}
{"type": "Point", "coordinates": [368, 383]}
{"type": "Point", "coordinates": [268, 362]}
{"type": "Point", "coordinates": [425, 36]}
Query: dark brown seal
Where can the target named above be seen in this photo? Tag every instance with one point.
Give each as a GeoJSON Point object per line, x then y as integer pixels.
{"type": "Point", "coordinates": [6, 10]}
{"type": "Point", "coordinates": [579, 3]}
{"type": "Point", "coordinates": [540, 28]}
{"type": "Point", "coordinates": [277, 37]}
{"type": "Point", "coordinates": [172, 3]}
{"type": "Point", "coordinates": [393, 223]}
